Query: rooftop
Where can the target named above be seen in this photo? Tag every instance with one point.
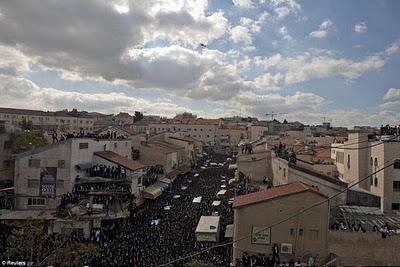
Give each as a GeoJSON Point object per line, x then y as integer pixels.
{"type": "Point", "coordinates": [208, 224]}
{"type": "Point", "coordinates": [275, 192]}
{"type": "Point", "coordinates": [118, 159]}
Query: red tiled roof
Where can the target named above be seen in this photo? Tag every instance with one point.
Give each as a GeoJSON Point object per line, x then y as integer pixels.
{"type": "Point", "coordinates": [118, 159]}
{"type": "Point", "coordinates": [168, 145]}
{"type": "Point", "coordinates": [234, 127]}
{"type": "Point", "coordinates": [268, 194]}
{"type": "Point", "coordinates": [322, 152]}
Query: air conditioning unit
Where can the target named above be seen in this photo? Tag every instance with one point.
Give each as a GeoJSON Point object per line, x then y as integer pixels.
{"type": "Point", "coordinates": [286, 248]}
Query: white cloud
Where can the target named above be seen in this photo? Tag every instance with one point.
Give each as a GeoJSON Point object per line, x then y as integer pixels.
{"type": "Point", "coordinates": [318, 64]}
{"type": "Point", "coordinates": [323, 29]}
{"type": "Point", "coordinates": [282, 8]}
{"type": "Point", "coordinates": [268, 82]}
{"type": "Point", "coordinates": [240, 34]}
{"type": "Point", "coordinates": [285, 34]}
{"type": "Point", "coordinates": [282, 12]}
{"type": "Point", "coordinates": [243, 3]}
{"type": "Point", "coordinates": [391, 105]}
{"type": "Point", "coordinates": [393, 48]}
{"type": "Point", "coordinates": [254, 25]}
{"type": "Point", "coordinates": [23, 93]}
{"type": "Point", "coordinates": [13, 61]}
{"type": "Point", "coordinates": [360, 27]}
{"type": "Point", "coordinates": [391, 94]}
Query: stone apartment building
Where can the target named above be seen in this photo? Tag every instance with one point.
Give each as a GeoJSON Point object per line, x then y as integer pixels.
{"type": "Point", "coordinates": [298, 238]}
{"type": "Point", "coordinates": [361, 156]}
{"type": "Point", "coordinates": [45, 173]}
{"type": "Point", "coordinates": [204, 130]}
{"type": "Point", "coordinates": [48, 121]}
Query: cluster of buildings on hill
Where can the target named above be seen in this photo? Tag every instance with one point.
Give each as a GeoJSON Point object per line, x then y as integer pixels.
{"type": "Point", "coordinates": [104, 159]}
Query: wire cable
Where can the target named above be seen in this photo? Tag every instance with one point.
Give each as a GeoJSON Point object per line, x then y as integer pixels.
{"type": "Point", "coordinates": [277, 223]}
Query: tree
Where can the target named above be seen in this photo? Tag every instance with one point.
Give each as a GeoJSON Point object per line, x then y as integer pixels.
{"type": "Point", "coordinates": [30, 242]}
{"type": "Point", "coordinates": [28, 140]}
{"type": "Point", "coordinates": [26, 125]}
{"type": "Point", "coordinates": [138, 116]}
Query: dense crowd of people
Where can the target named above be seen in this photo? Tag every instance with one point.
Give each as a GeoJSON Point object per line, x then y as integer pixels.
{"type": "Point", "coordinates": [82, 134]}
{"type": "Point", "coordinates": [285, 153]}
{"type": "Point", "coordinates": [384, 229]}
{"type": "Point", "coordinates": [389, 130]}
{"type": "Point", "coordinates": [271, 260]}
{"type": "Point", "coordinates": [154, 233]}
{"type": "Point", "coordinates": [106, 171]}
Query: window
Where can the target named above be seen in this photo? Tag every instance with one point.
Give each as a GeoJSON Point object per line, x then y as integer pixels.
{"type": "Point", "coordinates": [395, 206]}
{"type": "Point", "coordinates": [301, 232]}
{"type": "Point", "coordinates": [396, 164]}
{"type": "Point", "coordinates": [376, 162]}
{"type": "Point", "coordinates": [340, 157]}
{"type": "Point", "coordinates": [60, 183]}
{"type": "Point", "coordinates": [115, 145]}
{"type": "Point", "coordinates": [284, 172]}
{"type": "Point", "coordinates": [201, 129]}
{"type": "Point", "coordinates": [33, 183]}
{"type": "Point", "coordinates": [208, 136]}
{"type": "Point", "coordinates": [376, 181]}
{"type": "Point", "coordinates": [348, 161]}
{"type": "Point", "coordinates": [291, 231]}
{"type": "Point", "coordinates": [36, 201]}
{"type": "Point", "coordinates": [34, 163]}
{"type": "Point", "coordinates": [396, 186]}
{"type": "Point", "coordinates": [314, 235]}
{"type": "Point", "coordinates": [6, 163]}
{"type": "Point", "coordinates": [7, 145]}
{"type": "Point", "coordinates": [83, 145]}
{"type": "Point", "coordinates": [126, 144]}
{"type": "Point", "coordinates": [61, 164]}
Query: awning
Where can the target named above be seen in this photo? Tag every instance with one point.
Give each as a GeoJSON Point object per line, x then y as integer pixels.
{"type": "Point", "coordinates": [166, 180]}
{"type": "Point", "coordinates": [84, 166]}
{"type": "Point", "coordinates": [221, 192]}
{"type": "Point", "coordinates": [216, 203]}
{"type": "Point", "coordinates": [229, 231]}
{"type": "Point", "coordinates": [231, 181]}
{"type": "Point", "coordinates": [152, 192]}
{"type": "Point", "coordinates": [232, 166]}
{"type": "Point", "coordinates": [7, 190]}
{"type": "Point", "coordinates": [161, 185]}
{"type": "Point", "coordinates": [197, 200]}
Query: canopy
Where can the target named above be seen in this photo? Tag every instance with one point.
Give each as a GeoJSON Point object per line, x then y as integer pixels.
{"type": "Point", "coordinates": [221, 192]}
{"type": "Point", "coordinates": [161, 185]}
{"type": "Point", "coordinates": [208, 224]}
{"type": "Point", "coordinates": [223, 186]}
{"type": "Point", "coordinates": [166, 180]}
{"type": "Point", "coordinates": [152, 192]}
{"type": "Point", "coordinates": [216, 203]}
{"type": "Point", "coordinates": [197, 200]}
{"type": "Point", "coordinates": [84, 166]}
{"type": "Point", "coordinates": [229, 231]}
{"type": "Point", "coordinates": [232, 166]}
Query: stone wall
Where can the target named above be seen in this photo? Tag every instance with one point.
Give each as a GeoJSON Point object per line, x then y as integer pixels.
{"type": "Point", "coordinates": [364, 249]}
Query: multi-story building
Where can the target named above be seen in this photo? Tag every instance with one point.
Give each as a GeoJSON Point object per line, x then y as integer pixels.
{"type": "Point", "coordinates": [46, 120]}
{"type": "Point", "coordinates": [204, 130]}
{"type": "Point", "coordinates": [45, 173]}
{"type": "Point", "coordinates": [364, 154]}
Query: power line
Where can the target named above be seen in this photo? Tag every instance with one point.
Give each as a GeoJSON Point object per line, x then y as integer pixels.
{"type": "Point", "coordinates": [279, 222]}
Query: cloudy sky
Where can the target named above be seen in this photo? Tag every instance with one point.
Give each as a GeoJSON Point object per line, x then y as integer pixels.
{"type": "Point", "coordinates": [309, 59]}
